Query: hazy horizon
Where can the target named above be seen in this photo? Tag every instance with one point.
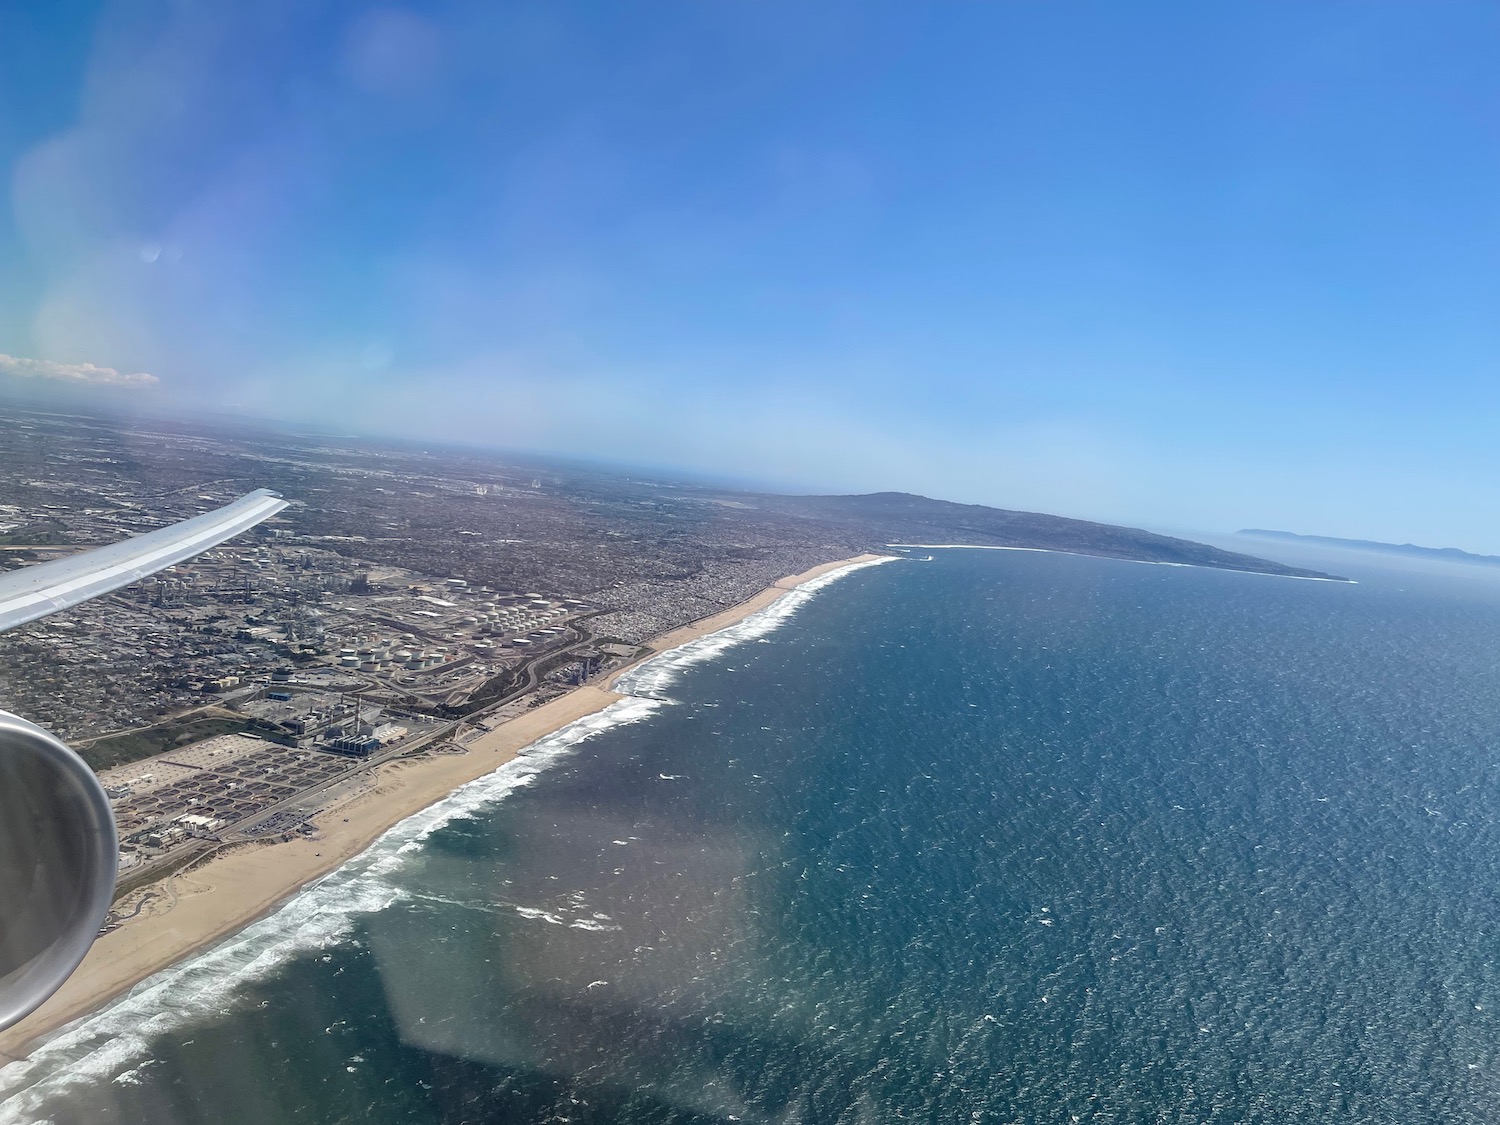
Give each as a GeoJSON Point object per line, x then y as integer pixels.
{"type": "Point", "coordinates": [1233, 539]}
{"type": "Point", "coordinates": [1164, 266]}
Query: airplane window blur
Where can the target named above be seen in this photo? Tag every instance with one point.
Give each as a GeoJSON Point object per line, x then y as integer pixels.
{"type": "Point", "coordinates": [749, 562]}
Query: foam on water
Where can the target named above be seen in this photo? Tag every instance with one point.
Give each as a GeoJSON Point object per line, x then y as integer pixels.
{"type": "Point", "coordinates": [652, 677]}
{"type": "Point", "coordinates": [1026, 839]}
{"type": "Point", "coordinates": [102, 1045]}
{"type": "Point", "coordinates": [105, 1043]}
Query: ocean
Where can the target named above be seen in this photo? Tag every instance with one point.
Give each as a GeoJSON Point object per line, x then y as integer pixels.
{"type": "Point", "coordinates": [974, 836]}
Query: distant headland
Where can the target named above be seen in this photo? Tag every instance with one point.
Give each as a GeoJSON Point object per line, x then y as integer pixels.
{"type": "Point", "coordinates": [903, 517]}
{"type": "Point", "coordinates": [1410, 550]}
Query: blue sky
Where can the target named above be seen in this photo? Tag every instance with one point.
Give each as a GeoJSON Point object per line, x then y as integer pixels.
{"type": "Point", "coordinates": [1176, 264]}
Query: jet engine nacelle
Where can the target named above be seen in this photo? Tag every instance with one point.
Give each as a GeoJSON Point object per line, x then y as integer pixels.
{"type": "Point", "coordinates": [58, 861]}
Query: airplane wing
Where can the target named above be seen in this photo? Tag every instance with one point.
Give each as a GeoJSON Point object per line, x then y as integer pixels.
{"type": "Point", "coordinates": [36, 591]}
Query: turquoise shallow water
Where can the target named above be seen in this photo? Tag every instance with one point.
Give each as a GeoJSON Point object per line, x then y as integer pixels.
{"type": "Point", "coordinates": [994, 837]}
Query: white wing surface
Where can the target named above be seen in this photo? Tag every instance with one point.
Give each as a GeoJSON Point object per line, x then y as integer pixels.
{"type": "Point", "coordinates": [36, 591]}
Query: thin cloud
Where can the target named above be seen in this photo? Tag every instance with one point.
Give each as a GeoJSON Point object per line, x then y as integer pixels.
{"type": "Point", "coordinates": [87, 373]}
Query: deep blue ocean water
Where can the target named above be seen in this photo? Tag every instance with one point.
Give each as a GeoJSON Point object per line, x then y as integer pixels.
{"type": "Point", "coordinates": [995, 837]}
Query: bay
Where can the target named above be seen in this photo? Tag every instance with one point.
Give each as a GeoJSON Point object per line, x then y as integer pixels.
{"type": "Point", "coordinates": [973, 836]}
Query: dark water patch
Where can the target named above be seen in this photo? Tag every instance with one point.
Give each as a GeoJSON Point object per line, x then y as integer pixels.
{"type": "Point", "coordinates": [1000, 837]}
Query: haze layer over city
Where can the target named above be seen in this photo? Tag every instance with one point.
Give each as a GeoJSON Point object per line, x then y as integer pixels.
{"type": "Point", "coordinates": [1175, 267]}
{"type": "Point", "coordinates": [407, 601]}
{"type": "Point", "coordinates": [721, 562]}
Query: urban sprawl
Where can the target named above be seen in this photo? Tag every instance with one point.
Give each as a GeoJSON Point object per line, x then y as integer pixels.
{"type": "Point", "coordinates": [408, 600]}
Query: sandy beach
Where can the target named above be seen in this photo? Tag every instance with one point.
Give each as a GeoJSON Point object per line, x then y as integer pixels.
{"type": "Point", "coordinates": [219, 897]}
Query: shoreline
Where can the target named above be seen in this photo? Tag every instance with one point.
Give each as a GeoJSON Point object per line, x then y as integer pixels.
{"type": "Point", "coordinates": [1113, 558]}
{"type": "Point", "coordinates": [217, 898]}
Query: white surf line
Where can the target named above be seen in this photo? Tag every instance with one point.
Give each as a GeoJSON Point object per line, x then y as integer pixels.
{"type": "Point", "coordinates": [98, 1046]}
{"type": "Point", "coordinates": [1113, 558]}
{"type": "Point", "coordinates": [653, 675]}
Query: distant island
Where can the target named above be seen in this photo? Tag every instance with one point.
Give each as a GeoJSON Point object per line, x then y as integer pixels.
{"type": "Point", "coordinates": [1410, 550]}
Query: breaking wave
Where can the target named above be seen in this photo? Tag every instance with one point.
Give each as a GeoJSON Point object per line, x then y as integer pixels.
{"type": "Point", "coordinates": [652, 677]}
{"type": "Point", "coordinates": [103, 1045]}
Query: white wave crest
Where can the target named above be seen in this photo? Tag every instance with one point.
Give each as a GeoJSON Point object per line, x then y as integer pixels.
{"type": "Point", "coordinates": [536, 912]}
{"type": "Point", "coordinates": [103, 1044]}
{"type": "Point", "coordinates": [593, 926]}
{"type": "Point", "coordinates": [651, 678]}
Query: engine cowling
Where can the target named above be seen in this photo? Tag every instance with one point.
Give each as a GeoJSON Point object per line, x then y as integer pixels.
{"type": "Point", "coordinates": [58, 860]}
